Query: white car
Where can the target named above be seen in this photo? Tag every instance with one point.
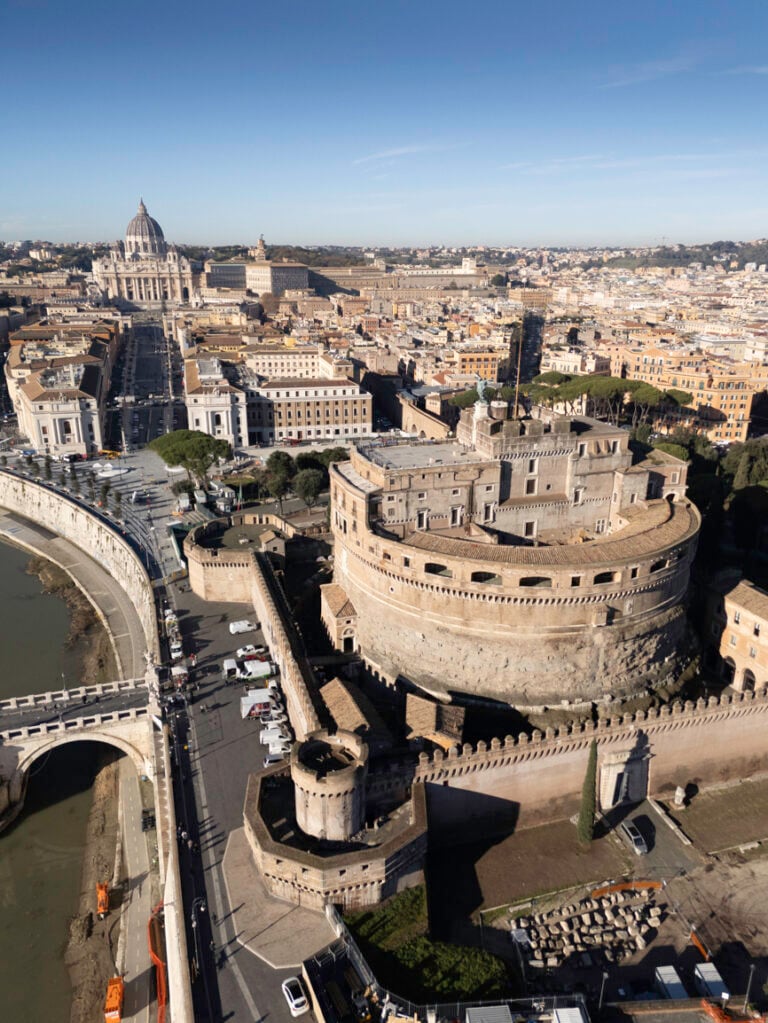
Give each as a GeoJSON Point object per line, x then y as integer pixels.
{"type": "Point", "coordinates": [242, 626]}
{"type": "Point", "coordinates": [272, 735]}
{"type": "Point", "coordinates": [295, 997]}
{"type": "Point", "coordinates": [279, 749]}
{"type": "Point", "coordinates": [244, 652]}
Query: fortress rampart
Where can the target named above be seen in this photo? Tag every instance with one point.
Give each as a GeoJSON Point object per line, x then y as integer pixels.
{"type": "Point", "coordinates": [533, 780]}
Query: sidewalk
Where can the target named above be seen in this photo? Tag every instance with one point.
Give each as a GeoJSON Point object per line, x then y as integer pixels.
{"type": "Point", "coordinates": [280, 933]}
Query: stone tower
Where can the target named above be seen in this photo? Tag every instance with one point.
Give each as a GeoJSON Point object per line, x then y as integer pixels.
{"type": "Point", "coordinates": [329, 773]}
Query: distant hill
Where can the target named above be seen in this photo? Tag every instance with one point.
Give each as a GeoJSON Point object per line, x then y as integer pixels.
{"type": "Point", "coordinates": [724, 253]}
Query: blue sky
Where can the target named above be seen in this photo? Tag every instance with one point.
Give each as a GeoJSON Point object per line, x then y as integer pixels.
{"type": "Point", "coordinates": [386, 122]}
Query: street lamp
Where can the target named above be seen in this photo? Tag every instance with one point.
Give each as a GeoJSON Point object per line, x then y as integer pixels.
{"type": "Point", "coordinates": [602, 991]}
{"type": "Point", "coordinates": [198, 906]}
{"type": "Point", "coordinates": [749, 986]}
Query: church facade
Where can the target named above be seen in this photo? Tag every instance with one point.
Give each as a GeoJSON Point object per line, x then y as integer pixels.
{"type": "Point", "coordinates": [145, 270]}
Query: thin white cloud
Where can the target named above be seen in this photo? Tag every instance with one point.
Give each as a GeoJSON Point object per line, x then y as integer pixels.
{"type": "Point", "coordinates": [651, 71]}
{"type": "Point", "coordinates": [398, 151]}
{"type": "Point", "coordinates": [610, 162]}
{"type": "Point", "coordinates": [748, 69]}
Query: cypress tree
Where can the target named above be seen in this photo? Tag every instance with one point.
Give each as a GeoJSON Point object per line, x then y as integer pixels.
{"type": "Point", "coordinates": [586, 825]}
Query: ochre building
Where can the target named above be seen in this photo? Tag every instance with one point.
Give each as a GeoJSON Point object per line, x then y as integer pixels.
{"type": "Point", "coordinates": [529, 561]}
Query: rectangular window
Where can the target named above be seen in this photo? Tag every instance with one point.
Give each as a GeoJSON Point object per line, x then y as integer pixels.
{"type": "Point", "coordinates": [578, 495]}
{"type": "Point", "coordinates": [487, 512]}
{"type": "Point", "coordinates": [732, 641]}
{"type": "Point", "coordinates": [633, 572]}
{"type": "Point", "coordinates": [532, 464]}
{"type": "Point", "coordinates": [575, 580]}
{"type": "Point", "coordinates": [756, 629]}
{"type": "Point", "coordinates": [529, 529]}
{"type": "Point", "coordinates": [582, 450]}
{"type": "Point", "coordinates": [736, 617]}
{"type": "Point", "coordinates": [422, 495]}
{"type": "Point", "coordinates": [421, 519]}
{"type": "Point", "coordinates": [455, 516]}
{"type": "Point", "coordinates": [600, 526]}
{"type": "Point", "coordinates": [530, 487]}
{"type": "Point", "coordinates": [633, 498]}
{"type": "Point", "coordinates": [752, 652]}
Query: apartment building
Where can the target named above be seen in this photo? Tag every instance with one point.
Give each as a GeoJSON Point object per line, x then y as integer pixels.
{"type": "Point", "coordinates": [233, 401]}
{"type": "Point", "coordinates": [58, 378]}
{"type": "Point", "coordinates": [740, 625]}
{"type": "Point", "coordinates": [724, 392]}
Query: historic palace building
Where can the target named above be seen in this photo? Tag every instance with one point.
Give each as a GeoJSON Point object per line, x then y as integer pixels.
{"type": "Point", "coordinates": [145, 270]}
{"type": "Point", "coordinates": [530, 560]}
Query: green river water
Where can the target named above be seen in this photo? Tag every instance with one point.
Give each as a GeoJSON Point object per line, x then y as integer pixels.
{"type": "Point", "coordinates": [41, 854]}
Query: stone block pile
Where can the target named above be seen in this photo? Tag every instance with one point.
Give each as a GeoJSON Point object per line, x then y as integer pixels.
{"type": "Point", "coordinates": [616, 926]}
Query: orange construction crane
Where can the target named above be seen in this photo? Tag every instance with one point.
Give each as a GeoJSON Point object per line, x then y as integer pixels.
{"type": "Point", "coordinates": [113, 1006]}
{"type": "Point", "coordinates": [102, 899]}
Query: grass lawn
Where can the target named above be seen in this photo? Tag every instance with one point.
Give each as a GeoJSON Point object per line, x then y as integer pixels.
{"type": "Point", "coordinates": [394, 939]}
{"type": "Point", "coordinates": [725, 817]}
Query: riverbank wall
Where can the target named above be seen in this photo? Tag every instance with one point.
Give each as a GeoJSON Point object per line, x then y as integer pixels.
{"type": "Point", "coordinates": [96, 537]}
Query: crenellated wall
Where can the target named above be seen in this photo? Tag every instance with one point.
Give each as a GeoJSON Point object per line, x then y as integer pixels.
{"type": "Point", "coordinates": [532, 780]}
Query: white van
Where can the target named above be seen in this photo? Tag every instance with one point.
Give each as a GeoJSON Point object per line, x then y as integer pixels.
{"type": "Point", "coordinates": [242, 626]}
{"type": "Point", "coordinates": [273, 758]}
{"type": "Point", "coordinates": [272, 734]}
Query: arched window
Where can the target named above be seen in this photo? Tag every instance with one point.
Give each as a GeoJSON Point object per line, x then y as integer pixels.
{"type": "Point", "coordinates": [542, 581]}
{"type": "Point", "coordinates": [604, 577]}
{"type": "Point", "coordinates": [485, 577]}
{"type": "Point", "coordinates": [432, 568]}
{"type": "Point", "coordinates": [748, 681]}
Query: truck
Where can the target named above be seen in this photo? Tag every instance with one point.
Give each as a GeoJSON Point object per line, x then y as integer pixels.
{"type": "Point", "coordinates": [255, 703]}
{"type": "Point", "coordinates": [179, 676]}
{"type": "Point", "coordinates": [102, 899]}
{"type": "Point", "coordinates": [667, 982]}
{"type": "Point", "coordinates": [257, 669]}
{"type": "Point", "coordinates": [709, 983]}
{"type": "Point", "coordinates": [113, 1004]}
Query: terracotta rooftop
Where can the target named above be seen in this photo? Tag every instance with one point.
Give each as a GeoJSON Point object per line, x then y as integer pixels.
{"type": "Point", "coordinates": [659, 525]}
{"type": "Point", "coordinates": [749, 597]}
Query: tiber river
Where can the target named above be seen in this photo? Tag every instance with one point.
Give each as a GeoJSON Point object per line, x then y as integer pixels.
{"type": "Point", "coordinates": [41, 854]}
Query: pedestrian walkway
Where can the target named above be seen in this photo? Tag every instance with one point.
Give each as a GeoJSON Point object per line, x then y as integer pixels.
{"type": "Point", "coordinates": [134, 964]}
{"type": "Point", "coordinates": [280, 933]}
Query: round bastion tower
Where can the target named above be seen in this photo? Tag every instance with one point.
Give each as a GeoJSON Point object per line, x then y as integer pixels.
{"type": "Point", "coordinates": [329, 771]}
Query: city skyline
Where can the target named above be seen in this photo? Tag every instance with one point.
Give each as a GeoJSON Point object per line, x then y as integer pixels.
{"type": "Point", "coordinates": [389, 126]}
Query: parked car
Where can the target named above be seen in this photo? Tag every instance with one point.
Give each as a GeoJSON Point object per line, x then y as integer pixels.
{"type": "Point", "coordinates": [295, 996]}
{"type": "Point", "coordinates": [273, 758]}
{"type": "Point", "coordinates": [633, 836]}
{"type": "Point", "coordinates": [249, 652]}
{"type": "Point", "coordinates": [242, 626]}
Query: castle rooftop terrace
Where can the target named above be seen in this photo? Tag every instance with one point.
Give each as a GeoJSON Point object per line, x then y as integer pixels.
{"type": "Point", "coordinates": [412, 454]}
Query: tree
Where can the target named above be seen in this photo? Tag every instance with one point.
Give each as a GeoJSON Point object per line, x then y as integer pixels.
{"type": "Point", "coordinates": [104, 494]}
{"type": "Point", "coordinates": [277, 486]}
{"type": "Point", "coordinates": [75, 483]}
{"type": "Point", "coordinates": [118, 503]}
{"type": "Point", "coordinates": [281, 463]}
{"type": "Point", "coordinates": [192, 450]}
{"type": "Point", "coordinates": [307, 484]}
{"type": "Point", "coordinates": [47, 470]}
{"type": "Point", "coordinates": [586, 825]}
{"type": "Point", "coordinates": [498, 280]}
{"type": "Point", "coordinates": [4, 460]}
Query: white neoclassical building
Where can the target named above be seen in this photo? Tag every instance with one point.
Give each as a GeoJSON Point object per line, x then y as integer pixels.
{"type": "Point", "coordinates": [144, 269]}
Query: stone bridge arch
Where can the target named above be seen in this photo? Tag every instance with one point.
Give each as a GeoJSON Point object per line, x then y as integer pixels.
{"type": "Point", "coordinates": [20, 750]}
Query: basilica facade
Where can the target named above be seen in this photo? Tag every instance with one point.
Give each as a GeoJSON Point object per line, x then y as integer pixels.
{"type": "Point", "coordinates": [145, 270]}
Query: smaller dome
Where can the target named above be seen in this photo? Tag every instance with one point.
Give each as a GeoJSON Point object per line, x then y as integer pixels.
{"type": "Point", "coordinates": [144, 236]}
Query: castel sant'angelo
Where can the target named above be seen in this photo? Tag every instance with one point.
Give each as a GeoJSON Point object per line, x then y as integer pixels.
{"type": "Point", "coordinates": [532, 560]}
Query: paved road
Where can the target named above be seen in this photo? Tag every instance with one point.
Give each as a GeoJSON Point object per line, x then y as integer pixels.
{"type": "Point", "coordinates": [135, 966]}
{"type": "Point", "coordinates": [223, 750]}
{"type": "Point", "coordinates": [667, 856]}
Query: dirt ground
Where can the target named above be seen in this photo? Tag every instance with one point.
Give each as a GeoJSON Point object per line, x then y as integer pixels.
{"type": "Point", "coordinates": [725, 817]}
{"type": "Point", "coordinates": [93, 942]}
